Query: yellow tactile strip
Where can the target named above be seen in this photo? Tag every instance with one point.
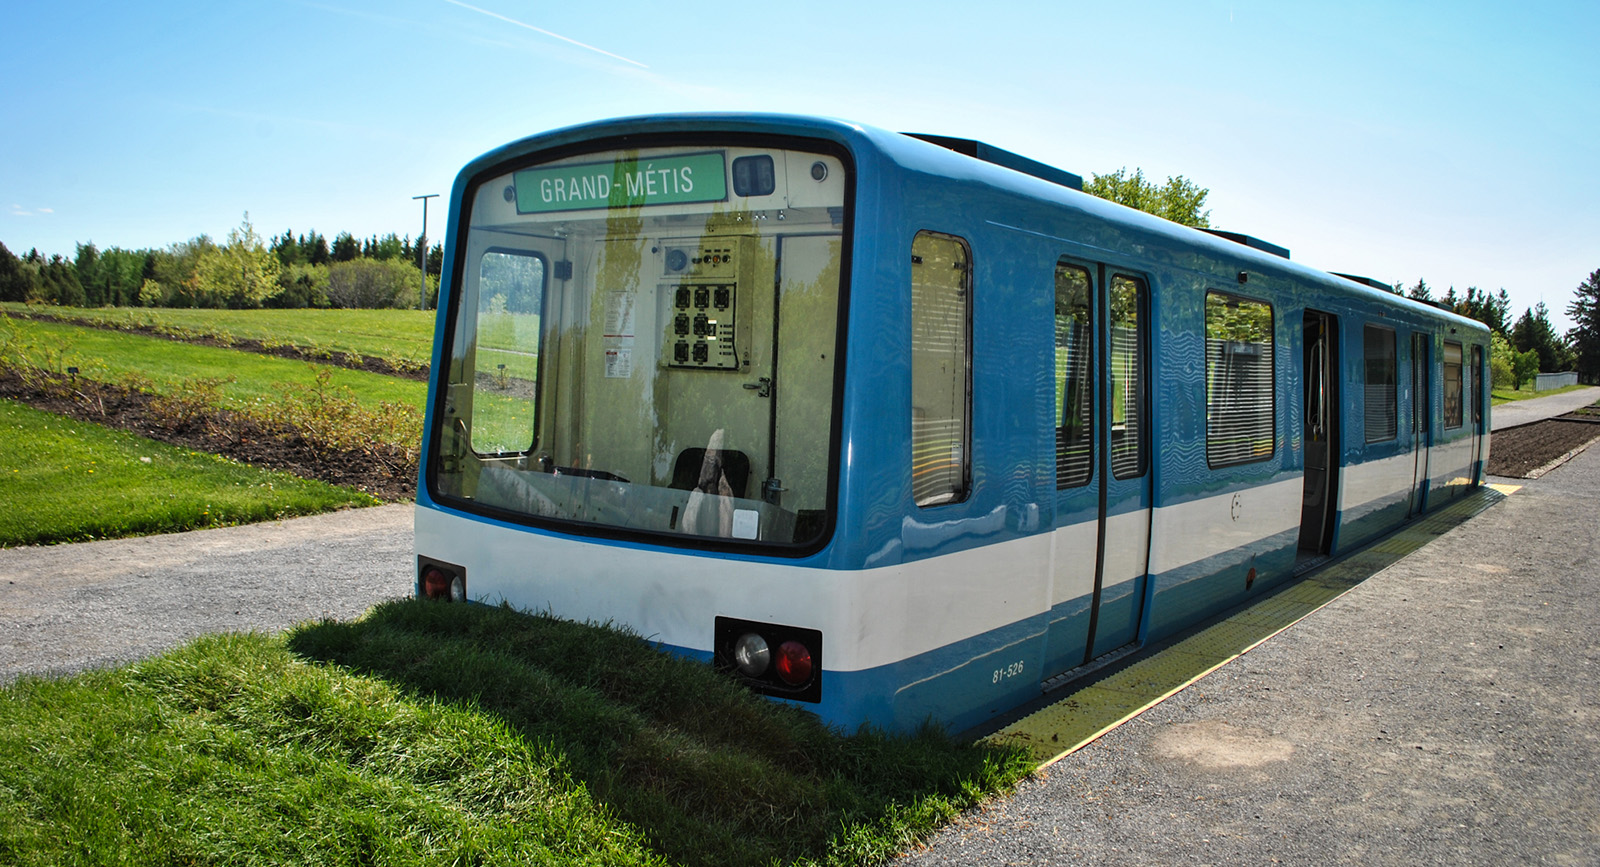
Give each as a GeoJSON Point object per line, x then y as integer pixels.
{"type": "Point", "coordinates": [1085, 713]}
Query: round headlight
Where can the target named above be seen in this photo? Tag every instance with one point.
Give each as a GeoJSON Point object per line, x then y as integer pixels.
{"type": "Point", "coordinates": [750, 655]}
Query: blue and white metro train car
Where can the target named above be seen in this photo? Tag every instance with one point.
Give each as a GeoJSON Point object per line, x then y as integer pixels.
{"type": "Point", "coordinates": [900, 428]}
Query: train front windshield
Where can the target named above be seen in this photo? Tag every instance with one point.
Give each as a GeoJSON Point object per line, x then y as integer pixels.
{"type": "Point", "coordinates": [644, 342]}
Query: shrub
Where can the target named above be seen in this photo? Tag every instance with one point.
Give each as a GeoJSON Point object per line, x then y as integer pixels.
{"type": "Point", "coordinates": [368, 283]}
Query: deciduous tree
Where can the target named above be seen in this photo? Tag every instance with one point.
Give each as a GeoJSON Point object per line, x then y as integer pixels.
{"type": "Point", "coordinates": [370, 283]}
{"type": "Point", "coordinates": [1179, 199]}
{"type": "Point", "coordinates": [241, 273]}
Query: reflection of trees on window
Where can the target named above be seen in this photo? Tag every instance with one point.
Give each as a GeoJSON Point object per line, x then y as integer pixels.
{"type": "Point", "coordinates": [512, 282]}
{"type": "Point", "coordinates": [1127, 378]}
{"type": "Point", "coordinates": [1239, 380]}
{"type": "Point", "coordinates": [505, 380]}
{"type": "Point", "coordinates": [940, 368]}
{"type": "Point", "coordinates": [1382, 394]}
{"type": "Point", "coordinates": [1479, 382]}
{"type": "Point", "coordinates": [1074, 385]}
{"type": "Point", "coordinates": [1452, 385]}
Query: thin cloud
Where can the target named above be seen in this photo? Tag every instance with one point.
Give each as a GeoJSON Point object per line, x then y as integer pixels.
{"type": "Point", "coordinates": [545, 32]}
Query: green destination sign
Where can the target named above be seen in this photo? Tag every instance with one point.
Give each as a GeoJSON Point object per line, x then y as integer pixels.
{"type": "Point", "coordinates": [627, 183]}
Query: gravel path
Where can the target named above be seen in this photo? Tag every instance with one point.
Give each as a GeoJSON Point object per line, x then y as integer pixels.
{"type": "Point", "coordinates": [1525, 411]}
{"type": "Point", "coordinates": [1446, 711]}
{"type": "Point", "coordinates": [69, 607]}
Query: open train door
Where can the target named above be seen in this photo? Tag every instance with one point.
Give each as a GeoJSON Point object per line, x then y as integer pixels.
{"type": "Point", "coordinates": [1421, 418]}
{"type": "Point", "coordinates": [1478, 386]}
{"type": "Point", "coordinates": [1320, 427]}
{"type": "Point", "coordinates": [1101, 545]}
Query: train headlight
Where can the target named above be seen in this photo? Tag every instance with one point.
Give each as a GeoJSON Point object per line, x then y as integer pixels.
{"type": "Point", "coordinates": [751, 655]}
{"type": "Point", "coordinates": [794, 663]}
{"type": "Point", "coordinates": [770, 658]}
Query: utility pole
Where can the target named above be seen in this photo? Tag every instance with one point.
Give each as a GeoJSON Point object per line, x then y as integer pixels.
{"type": "Point", "coordinates": [422, 297]}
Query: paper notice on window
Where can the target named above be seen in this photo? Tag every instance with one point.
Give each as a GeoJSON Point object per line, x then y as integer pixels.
{"type": "Point", "coordinates": [619, 335]}
{"type": "Point", "coordinates": [619, 363]}
{"type": "Point", "coordinates": [619, 318]}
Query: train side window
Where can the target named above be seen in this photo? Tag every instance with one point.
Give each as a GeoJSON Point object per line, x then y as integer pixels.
{"type": "Point", "coordinates": [1452, 385]}
{"type": "Point", "coordinates": [941, 369]}
{"type": "Point", "coordinates": [1074, 382]}
{"type": "Point", "coordinates": [1128, 450]}
{"type": "Point", "coordinates": [1240, 420]}
{"type": "Point", "coordinates": [1479, 387]}
{"type": "Point", "coordinates": [505, 377]}
{"type": "Point", "coordinates": [1382, 391]}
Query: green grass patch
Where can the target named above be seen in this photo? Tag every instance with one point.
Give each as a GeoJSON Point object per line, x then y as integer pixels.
{"type": "Point", "coordinates": [427, 733]}
{"type": "Point", "coordinates": [390, 334]}
{"type": "Point", "coordinates": [67, 481]}
{"type": "Point", "coordinates": [1498, 396]}
{"type": "Point", "coordinates": [243, 378]}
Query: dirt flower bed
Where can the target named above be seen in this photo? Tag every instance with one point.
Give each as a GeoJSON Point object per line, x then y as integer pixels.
{"type": "Point", "coordinates": [384, 471]}
{"type": "Point", "coordinates": [1518, 451]}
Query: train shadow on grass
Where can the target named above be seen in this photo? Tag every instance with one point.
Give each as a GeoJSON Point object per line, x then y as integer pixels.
{"type": "Point", "coordinates": [707, 772]}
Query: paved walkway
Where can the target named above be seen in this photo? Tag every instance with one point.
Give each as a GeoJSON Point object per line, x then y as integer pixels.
{"type": "Point", "coordinates": [1445, 711]}
{"type": "Point", "coordinates": [1540, 408]}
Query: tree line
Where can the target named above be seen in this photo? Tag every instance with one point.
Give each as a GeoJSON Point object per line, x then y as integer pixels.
{"type": "Point", "coordinates": [305, 270]}
{"type": "Point", "coordinates": [244, 271]}
{"type": "Point", "coordinates": [1519, 349]}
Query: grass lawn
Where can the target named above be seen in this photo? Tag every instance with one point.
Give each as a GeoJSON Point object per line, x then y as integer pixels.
{"type": "Point", "coordinates": [405, 334]}
{"type": "Point", "coordinates": [429, 733]}
{"type": "Point", "coordinates": [245, 378]}
{"type": "Point", "coordinates": [66, 481]}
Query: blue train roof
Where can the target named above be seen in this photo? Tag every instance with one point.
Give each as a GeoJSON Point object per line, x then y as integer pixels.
{"type": "Point", "coordinates": [959, 160]}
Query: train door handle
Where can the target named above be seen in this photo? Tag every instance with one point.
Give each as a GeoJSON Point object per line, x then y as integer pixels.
{"type": "Point", "coordinates": [762, 387]}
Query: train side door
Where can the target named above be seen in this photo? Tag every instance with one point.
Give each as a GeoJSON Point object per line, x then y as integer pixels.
{"type": "Point", "coordinates": [1477, 384]}
{"type": "Point", "coordinates": [1421, 418]}
{"type": "Point", "coordinates": [1320, 428]}
{"type": "Point", "coordinates": [1101, 545]}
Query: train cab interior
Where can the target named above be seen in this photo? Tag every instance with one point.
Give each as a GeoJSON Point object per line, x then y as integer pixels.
{"type": "Point", "coordinates": [645, 340]}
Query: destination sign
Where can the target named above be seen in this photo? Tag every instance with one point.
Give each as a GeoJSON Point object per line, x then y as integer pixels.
{"type": "Point", "coordinates": [624, 183]}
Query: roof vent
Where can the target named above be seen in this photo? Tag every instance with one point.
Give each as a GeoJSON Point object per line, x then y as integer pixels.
{"type": "Point", "coordinates": [1015, 162]}
{"type": "Point", "coordinates": [1366, 281]}
{"type": "Point", "coordinates": [1252, 243]}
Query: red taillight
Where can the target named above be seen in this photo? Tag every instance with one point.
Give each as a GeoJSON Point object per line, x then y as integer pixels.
{"type": "Point", "coordinates": [794, 663]}
{"type": "Point", "coordinates": [436, 583]}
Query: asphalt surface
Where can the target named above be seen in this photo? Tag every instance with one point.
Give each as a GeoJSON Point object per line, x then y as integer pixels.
{"type": "Point", "coordinates": [1525, 411]}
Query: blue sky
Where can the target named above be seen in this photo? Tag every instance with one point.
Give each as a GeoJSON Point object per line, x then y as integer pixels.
{"type": "Point", "coordinates": [1454, 142]}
